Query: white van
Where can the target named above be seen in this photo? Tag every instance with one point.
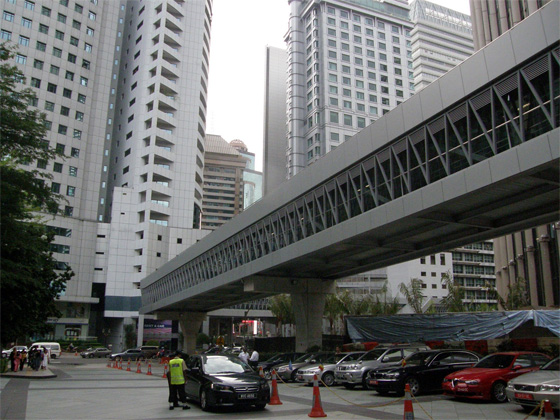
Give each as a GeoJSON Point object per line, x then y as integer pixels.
{"type": "Point", "coordinates": [54, 348]}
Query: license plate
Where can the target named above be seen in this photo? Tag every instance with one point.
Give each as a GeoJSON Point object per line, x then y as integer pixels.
{"type": "Point", "coordinates": [372, 382]}
{"type": "Point", "coordinates": [247, 396]}
{"type": "Point", "coordinates": [300, 377]}
{"type": "Point", "coordinates": [523, 396]}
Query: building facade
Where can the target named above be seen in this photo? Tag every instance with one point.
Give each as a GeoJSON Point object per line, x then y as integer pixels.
{"type": "Point", "coordinates": [441, 39]}
{"type": "Point", "coordinates": [349, 61]}
{"type": "Point", "coordinates": [531, 255]}
{"type": "Point", "coordinates": [123, 85]}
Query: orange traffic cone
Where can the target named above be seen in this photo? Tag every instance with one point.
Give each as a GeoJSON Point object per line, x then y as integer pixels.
{"type": "Point", "coordinates": [115, 364]}
{"type": "Point", "coordinates": [317, 409]}
{"type": "Point", "coordinates": [76, 354]}
{"type": "Point", "coordinates": [128, 366]}
{"type": "Point", "coordinates": [274, 399]}
{"type": "Point", "coordinates": [164, 371]}
{"type": "Point", "coordinates": [138, 367]}
{"type": "Point", "coordinates": [149, 369]}
{"type": "Point", "coordinates": [108, 363]}
{"type": "Point", "coordinates": [548, 413]}
{"type": "Point", "coordinates": [261, 372]}
{"type": "Point", "coordinates": [408, 410]}
{"type": "Point", "coordinates": [120, 364]}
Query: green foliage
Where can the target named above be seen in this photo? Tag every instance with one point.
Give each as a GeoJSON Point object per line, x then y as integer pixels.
{"type": "Point", "coordinates": [202, 339]}
{"type": "Point", "coordinates": [453, 302]}
{"type": "Point", "coordinates": [281, 308]}
{"type": "Point", "coordinates": [516, 298]}
{"type": "Point", "coordinates": [30, 283]}
{"type": "Point", "coordinates": [3, 364]}
{"type": "Point", "coordinates": [129, 336]}
{"type": "Point", "coordinates": [413, 294]}
{"type": "Point", "coordinates": [152, 343]}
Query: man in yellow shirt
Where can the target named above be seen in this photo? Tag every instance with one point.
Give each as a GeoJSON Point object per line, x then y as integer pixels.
{"type": "Point", "coordinates": [176, 381]}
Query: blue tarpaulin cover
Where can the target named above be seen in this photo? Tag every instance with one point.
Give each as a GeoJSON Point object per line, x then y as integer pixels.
{"type": "Point", "coordinates": [448, 326]}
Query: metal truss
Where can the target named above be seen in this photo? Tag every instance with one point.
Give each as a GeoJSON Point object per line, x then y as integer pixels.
{"type": "Point", "coordinates": [513, 110]}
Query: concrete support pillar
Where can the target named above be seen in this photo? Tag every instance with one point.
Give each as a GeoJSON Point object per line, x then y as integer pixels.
{"type": "Point", "coordinates": [190, 326]}
{"type": "Point", "coordinates": [546, 269]}
{"type": "Point", "coordinates": [140, 334]}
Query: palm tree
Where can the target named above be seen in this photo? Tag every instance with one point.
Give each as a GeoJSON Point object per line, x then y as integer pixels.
{"type": "Point", "coordinates": [453, 302]}
{"type": "Point", "coordinates": [281, 308]}
{"type": "Point", "coordinates": [413, 294]}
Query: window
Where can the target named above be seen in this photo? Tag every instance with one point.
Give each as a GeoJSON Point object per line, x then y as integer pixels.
{"type": "Point", "coordinates": [68, 211]}
{"type": "Point", "coordinates": [41, 46]}
{"type": "Point", "coordinates": [83, 81]}
{"type": "Point", "coordinates": [76, 24]}
{"type": "Point", "coordinates": [36, 83]}
{"type": "Point", "coordinates": [55, 70]}
{"type": "Point", "coordinates": [73, 171]}
{"type": "Point", "coordinates": [42, 164]}
{"type": "Point", "coordinates": [75, 152]}
{"type": "Point", "coordinates": [59, 35]}
{"type": "Point", "coordinates": [85, 64]}
{"type": "Point", "coordinates": [44, 29]}
{"type": "Point", "coordinates": [57, 52]}
{"type": "Point", "coordinates": [71, 58]}
{"type": "Point", "coordinates": [67, 93]}
{"type": "Point", "coordinates": [6, 35]}
{"type": "Point", "coordinates": [8, 16]}
{"type": "Point", "coordinates": [55, 187]}
{"type": "Point", "coordinates": [49, 106]}
{"type": "Point", "coordinates": [373, 110]}
{"type": "Point", "coordinates": [62, 129]}
{"type": "Point", "coordinates": [69, 75]}
{"type": "Point", "coordinates": [61, 18]}
{"type": "Point", "coordinates": [51, 87]}
{"type": "Point", "coordinates": [74, 41]}
{"type": "Point", "coordinates": [348, 120]}
{"type": "Point", "coordinates": [45, 11]}
{"type": "Point", "coordinates": [385, 101]}
{"type": "Point", "coordinates": [57, 167]}
{"type": "Point", "coordinates": [92, 16]}
{"type": "Point", "coordinates": [64, 3]}
{"type": "Point", "coordinates": [64, 110]}
{"type": "Point", "coordinates": [334, 117]}
{"type": "Point", "coordinates": [77, 134]}
{"type": "Point", "coordinates": [78, 8]}
{"type": "Point", "coordinates": [79, 116]}
{"type": "Point", "coordinates": [361, 122]}
{"type": "Point", "coordinates": [38, 64]}
{"type": "Point", "coordinates": [81, 98]}
{"type": "Point", "coordinates": [89, 31]}
{"type": "Point", "coordinates": [29, 5]}
{"type": "Point", "coordinates": [87, 47]}
{"type": "Point", "coordinates": [70, 191]}
{"type": "Point", "coordinates": [60, 148]}
{"type": "Point", "coordinates": [21, 59]}
{"type": "Point", "coordinates": [23, 40]}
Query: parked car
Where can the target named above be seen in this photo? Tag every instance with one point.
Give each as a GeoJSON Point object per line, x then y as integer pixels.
{"type": "Point", "coordinates": [325, 371]}
{"type": "Point", "coordinates": [287, 372]}
{"type": "Point", "coordinates": [98, 352]}
{"type": "Point", "coordinates": [149, 352]}
{"type": "Point", "coordinates": [530, 389]}
{"type": "Point", "coordinates": [423, 371]}
{"type": "Point", "coordinates": [488, 378]}
{"type": "Point", "coordinates": [278, 359]}
{"type": "Point", "coordinates": [224, 380]}
{"type": "Point", "coordinates": [354, 373]}
{"type": "Point", "coordinates": [130, 354]}
{"type": "Point", "coordinates": [6, 353]}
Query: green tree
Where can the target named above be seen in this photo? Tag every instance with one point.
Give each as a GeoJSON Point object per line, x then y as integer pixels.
{"type": "Point", "coordinates": [281, 308]}
{"type": "Point", "coordinates": [333, 309]}
{"type": "Point", "coordinates": [413, 294]}
{"type": "Point", "coordinates": [516, 298]}
{"type": "Point", "coordinates": [30, 279]}
{"type": "Point", "coordinates": [130, 336]}
{"type": "Point", "coordinates": [453, 302]}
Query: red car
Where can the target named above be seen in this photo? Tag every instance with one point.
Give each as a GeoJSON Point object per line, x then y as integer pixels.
{"type": "Point", "coordinates": [487, 379]}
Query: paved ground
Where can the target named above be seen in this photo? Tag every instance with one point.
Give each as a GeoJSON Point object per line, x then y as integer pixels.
{"type": "Point", "coordinates": [89, 390]}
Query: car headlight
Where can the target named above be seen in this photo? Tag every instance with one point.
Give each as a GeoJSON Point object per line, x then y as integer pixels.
{"type": "Point", "coordinates": [473, 382]}
{"type": "Point", "coordinates": [265, 386]}
{"type": "Point", "coordinates": [282, 369]}
{"type": "Point", "coordinates": [353, 367]}
{"type": "Point", "coordinates": [445, 380]}
{"type": "Point", "coordinates": [220, 387]}
{"type": "Point", "coordinates": [392, 375]}
{"type": "Point", "coordinates": [548, 387]}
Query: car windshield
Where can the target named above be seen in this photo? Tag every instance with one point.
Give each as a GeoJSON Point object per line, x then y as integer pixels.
{"type": "Point", "coordinates": [217, 365]}
{"type": "Point", "coordinates": [273, 358]}
{"type": "Point", "coordinates": [552, 365]}
{"type": "Point", "coordinates": [495, 361]}
{"type": "Point", "coordinates": [418, 359]}
{"type": "Point", "coordinates": [303, 358]}
{"type": "Point", "coordinates": [373, 354]}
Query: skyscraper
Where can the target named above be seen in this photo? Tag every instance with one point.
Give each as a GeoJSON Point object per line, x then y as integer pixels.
{"type": "Point", "coordinates": [124, 86]}
{"type": "Point", "coordinates": [349, 61]}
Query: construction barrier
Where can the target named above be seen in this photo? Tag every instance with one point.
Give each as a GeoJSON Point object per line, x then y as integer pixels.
{"type": "Point", "coordinates": [316, 409]}
{"type": "Point", "coordinates": [164, 371]}
{"type": "Point", "coordinates": [408, 409]}
{"type": "Point", "coordinates": [274, 399]}
{"type": "Point", "coordinates": [149, 369]}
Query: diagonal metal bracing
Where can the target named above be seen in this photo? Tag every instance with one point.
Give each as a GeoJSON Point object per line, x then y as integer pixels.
{"type": "Point", "coordinates": [514, 109]}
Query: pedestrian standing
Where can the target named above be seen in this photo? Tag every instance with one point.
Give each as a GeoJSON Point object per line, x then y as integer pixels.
{"type": "Point", "coordinates": [243, 355]}
{"type": "Point", "coordinates": [12, 359]}
{"type": "Point", "coordinates": [17, 361]}
{"type": "Point", "coordinates": [23, 359]}
{"type": "Point", "coordinates": [176, 381]}
{"type": "Point", "coordinates": [254, 360]}
{"type": "Point", "coordinates": [45, 358]}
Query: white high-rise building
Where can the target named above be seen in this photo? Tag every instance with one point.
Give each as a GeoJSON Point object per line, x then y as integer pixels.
{"type": "Point", "coordinates": [124, 87]}
{"type": "Point", "coordinates": [349, 61]}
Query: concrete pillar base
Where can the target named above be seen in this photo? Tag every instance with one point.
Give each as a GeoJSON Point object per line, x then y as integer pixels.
{"type": "Point", "coordinates": [190, 323]}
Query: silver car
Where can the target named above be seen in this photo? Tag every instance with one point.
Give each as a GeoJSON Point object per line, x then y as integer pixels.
{"type": "Point", "coordinates": [355, 373]}
{"type": "Point", "coordinates": [97, 352]}
{"type": "Point", "coordinates": [325, 371]}
{"type": "Point", "coordinates": [530, 389]}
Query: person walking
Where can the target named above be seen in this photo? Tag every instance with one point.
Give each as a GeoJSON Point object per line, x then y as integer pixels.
{"type": "Point", "coordinates": [254, 360]}
{"type": "Point", "coordinates": [176, 382]}
{"type": "Point", "coordinates": [243, 355]}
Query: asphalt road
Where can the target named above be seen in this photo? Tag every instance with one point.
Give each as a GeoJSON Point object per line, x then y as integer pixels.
{"type": "Point", "coordinates": [86, 389]}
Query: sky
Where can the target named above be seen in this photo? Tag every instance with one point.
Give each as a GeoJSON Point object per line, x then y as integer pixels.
{"type": "Point", "coordinates": [241, 31]}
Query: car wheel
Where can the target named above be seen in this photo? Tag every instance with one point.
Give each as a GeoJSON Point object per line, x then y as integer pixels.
{"type": "Point", "coordinates": [499, 392]}
{"type": "Point", "coordinates": [414, 385]}
{"type": "Point", "coordinates": [364, 380]}
{"type": "Point", "coordinates": [204, 400]}
{"type": "Point", "coordinates": [260, 406]}
{"type": "Point", "coordinates": [54, 356]}
{"type": "Point", "coordinates": [328, 378]}
{"type": "Point", "coordinates": [293, 376]}
{"type": "Point", "coordinates": [91, 356]}
{"type": "Point", "coordinates": [349, 386]}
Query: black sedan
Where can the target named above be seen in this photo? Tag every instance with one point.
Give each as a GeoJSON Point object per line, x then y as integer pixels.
{"type": "Point", "coordinates": [423, 371]}
{"type": "Point", "coordinates": [130, 354]}
{"type": "Point", "coordinates": [217, 380]}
